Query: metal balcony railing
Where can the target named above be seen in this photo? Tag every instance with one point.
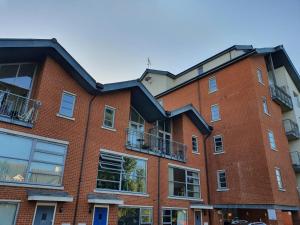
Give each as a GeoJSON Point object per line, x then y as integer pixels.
{"type": "Point", "coordinates": [281, 97]}
{"type": "Point", "coordinates": [296, 160]}
{"type": "Point", "coordinates": [291, 129]}
{"type": "Point", "coordinates": [18, 109]}
{"type": "Point", "coordinates": [152, 144]}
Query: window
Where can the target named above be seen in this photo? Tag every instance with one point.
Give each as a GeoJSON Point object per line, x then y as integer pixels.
{"type": "Point", "coordinates": [28, 160]}
{"type": "Point", "coordinates": [67, 104]}
{"type": "Point", "coordinates": [215, 113]}
{"type": "Point", "coordinates": [195, 144]}
{"type": "Point", "coordinates": [174, 216]}
{"type": "Point", "coordinates": [109, 117]}
{"type": "Point", "coordinates": [134, 216]}
{"type": "Point", "coordinates": [218, 142]}
{"type": "Point", "coordinates": [259, 76]}
{"type": "Point", "coordinates": [271, 140]}
{"type": "Point", "coordinates": [265, 106]}
{"type": "Point", "coordinates": [278, 178]}
{"type": "Point", "coordinates": [121, 173]}
{"type": "Point", "coordinates": [8, 212]}
{"type": "Point", "coordinates": [212, 84]}
{"type": "Point", "coordinates": [222, 181]}
{"type": "Point", "coordinates": [184, 183]}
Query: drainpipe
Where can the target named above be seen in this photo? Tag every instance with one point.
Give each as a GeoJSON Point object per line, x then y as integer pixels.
{"type": "Point", "coordinates": [158, 191]}
{"type": "Point", "coordinates": [98, 86]}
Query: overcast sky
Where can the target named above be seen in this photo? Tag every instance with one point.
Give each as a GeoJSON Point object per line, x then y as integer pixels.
{"type": "Point", "coordinates": [112, 39]}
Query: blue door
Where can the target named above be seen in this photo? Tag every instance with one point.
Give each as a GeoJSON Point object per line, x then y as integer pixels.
{"type": "Point", "coordinates": [198, 219]}
{"type": "Point", "coordinates": [44, 215]}
{"type": "Point", "coordinates": [100, 216]}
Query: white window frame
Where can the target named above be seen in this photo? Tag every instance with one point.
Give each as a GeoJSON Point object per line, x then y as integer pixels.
{"type": "Point", "coordinates": [211, 112]}
{"type": "Point", "coordinates": [113, 121]}
{"type": "Point", "coordinates": [194, 137]}
{"type": "Point", "coordinates": [265, 106]}
{"type": "Point", "coordinates": [73, 105]}
{"type": "Point", "coordinates": [219, 188]}
{"type": "Point", "coordinates": [272, 143]}
{"type": "Point", "coordinates": [15, 202]}
{"type": "Point", "coordinates": [45, 204]}
{"type": "Point", "coordinates": [215, 146]}
{"type": "Point", "coordinates": [140, 207]}
{"type": "Point", "coordinates": [259, 75]}
{"type": "Point", "coordinates": [278, 177]}
{"type": "Point", "coordinates": [210, 90]}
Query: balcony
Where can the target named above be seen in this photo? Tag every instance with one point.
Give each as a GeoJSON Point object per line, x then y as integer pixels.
{"type": "Point", "coordinates": [282, 98]}
{"type": "Point", "coordinates": [17, 109]}
{"type": "Point", "coordinates": [291, 129]}
{"type": "Point", "coordinates": [296, 161]}
{"type": "Point", "coordinates": [154, 145]}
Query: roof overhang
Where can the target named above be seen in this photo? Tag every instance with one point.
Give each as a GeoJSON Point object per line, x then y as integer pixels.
{"type": "Point", "coordinates": [97, 198]}
{"type": "Point", "coordinates": [257, 206]}
{"type": "Point", "coordinates": [49, 196]}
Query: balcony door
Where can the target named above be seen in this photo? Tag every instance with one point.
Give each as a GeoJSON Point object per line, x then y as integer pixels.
{"type": "Point", "coordinates": [136, 129]}
{"type": "Point", "coordinates": [165, 136]}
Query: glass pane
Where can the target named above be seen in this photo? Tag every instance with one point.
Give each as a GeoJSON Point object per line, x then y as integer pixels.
{"type": "Point", "coordinates": [44, 179]}
{"type": "Point", "coordinates": [61, 149]}
{"type": "Point", "coordinates": [8, 73]}
{"type": "Point", "coordinates": [15, 146]}
{"type": "Point", "coordinates": [128, 216]}
{"type": "Point", "coordinates": [179, 175]}
{"type": "Point", "coordinates": [12, 170]}
{"type": "Point", "coordinates": [48, 158]}
{"type": "Point", "coordinates": [133, 184]}
{"type": "Point", "coordinates": [67, 105]}
{"type": "Point", "coordinates": [7, 213]}
{"type": "Point", "coordinates": [179, 189]}
{"type": "Point", "coordinates": [45, 168]}
{"type": "Point", "coordinates": [25, 76]}
{"type": "Point", "coordinates": [109, 175]}
{"type": "Point", "coordinates": [108, 185]}
{"type": "Point", "coordinates": [181, 217]}
{"type": "Point", "coordinates": [134, 116]}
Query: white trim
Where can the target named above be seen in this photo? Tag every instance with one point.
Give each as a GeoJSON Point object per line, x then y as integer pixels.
{"type": "Point", "coordinates": [197, 144]}
{"type": "Point", "coordinates": [10, 200]}
{"type": "Point", "coordinates": [262, 78]}
{"type": "Point", "coordinates": [49, 198]}
{"type": "Point", "coordinates": [33, 136]}
{"type": "Point", "coordinates": [70, 93]}
{"type": "Point", "coordinates": [222, 189]}
{"type": "Point", "coordinates": [123, 154]}
{"type": "Point", "coordinates": [213, 77]}
{"type": "Point", "coordinates": [201, 214]}
{"type": "Point", "coordinates": [101, 206]}
{"type": "Point", "coordinates": [73, 106]}
{"type": "Point", "coordinates": [113, 119]}
{"type": "Point", "coordinates": [185, 198]}
{"type": "Point", "coordinates": [176, 208]}
{"type": "Point", "coordinates": [136, 206]}
{"type": "Point", "coordinates": [108, 128]}
{"type": "Point", "coordinates": [120, 193]}
{"type": "Point", "coordinates": [199, 206]}
{"type": "Point", "coordinates": [183, 167]}
{"type": "Point", "coordinates": [65, 117]}
{"type": "Point", "coordinates": [45, 204]}
{"type": "Point", "coordinates": [106, 201]}
{"type": "Point", "coordinates": [218, 136]}
{"type": "Point", "coordinates": [219, 188]}
{"type": "Point", "coordinates": [273, 135]}
{"type": "Point", "coordinates": [30, 185]}
{"type": "Point", "coordinates": [211, 114]}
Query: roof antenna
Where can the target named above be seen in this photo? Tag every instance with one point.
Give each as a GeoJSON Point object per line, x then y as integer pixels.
{"type": "Point", "coordinates": [148, 63]}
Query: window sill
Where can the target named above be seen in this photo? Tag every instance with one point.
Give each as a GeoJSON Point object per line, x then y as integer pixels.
{"type": "Point", "coordinates": [196, 153]}
{"type": "Point", "coordinates": [31, 185]}
{"type": "Point", "coordinates": [215, 120]}
{"type": "Point", "coordinates": [274, 149]}
{"type": "Point", "coordinates": [222, 189]}
{"type": "Point", "coordinates": [268, 114]}
{"type": "Point", "coordinates": [108, 128]}
{"type": "Point", "coordinates": [185, 198]}
{"type": "Point", "coordinates": [282, 189]}
{"type": "Point", "coordinates": [65, 117]}
{"type": "Point", "coordinates": [121, 193]}
{"type": "Point", "coordinates": [218, 153]}
{"type": "Point", "coordinates": [210, 92]}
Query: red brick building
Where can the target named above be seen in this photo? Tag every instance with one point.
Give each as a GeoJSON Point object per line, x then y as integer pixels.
{"type": "Point", "coordinates": [74, 151]}
{"type": "Point", "coordinates": [250, 170]}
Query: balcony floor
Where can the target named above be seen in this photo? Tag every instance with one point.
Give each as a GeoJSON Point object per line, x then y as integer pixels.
{"type": "Point", "coordinates": [8, 119]}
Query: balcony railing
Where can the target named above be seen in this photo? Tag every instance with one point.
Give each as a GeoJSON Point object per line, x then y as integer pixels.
{"type": "Point", "coordinates": [281, 97]}
{"type": "Point", "coordinates": [18, 109]}
{"type": "Point", "coordinates": [296, 160]}
{"type": "Point", "coordinates": [152, 144]}
{"type": "Point", "coordinates": [291, 129]}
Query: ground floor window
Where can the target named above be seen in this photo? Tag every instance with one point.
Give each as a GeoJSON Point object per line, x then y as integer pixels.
{"type": "Point", "coordinates": [135, 216]}
{"type": "Point", "coordinates": [8, 213]}
{"type": "Point", "coordinates": [174, 217]}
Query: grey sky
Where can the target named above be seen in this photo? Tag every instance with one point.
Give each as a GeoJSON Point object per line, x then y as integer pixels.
{"type": "Point", "coordinates": [112, 39]}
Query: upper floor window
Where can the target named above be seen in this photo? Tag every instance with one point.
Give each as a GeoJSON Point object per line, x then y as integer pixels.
{"type": "Point", "coordinates": [271, 140]}
{"type": "Point", "coordinates": [212, 84]}
{"type": "Point", "coordinates": [109, 117]}
{"type": "Point", "coordinates": [121, 173]}
{"type": "Point", "coordinates": [218, 143]}
{"type": "Point", "coordinates": [184, 183]}
{"type": "Point", "coordinates": [215, 113]}
{"type": "Point", "coordinates": [135, 216]}
{"type": "Point", "coordinates": [265, 105]}
{"type": "Point", "coordinates": [67, 104]}
{"type": "Point", "coordinates": [259, 76]}
{"type": "Point", "coordinates": [29, 160]}
{"type": "Point", "coordinates": [8, 212]}
{"type": "Point", "coordinates": [278, 178]}
{"type": "Point", "coordinates": [222, 180]}
{"type": "Point", "coordinates": [195, 144]}
{"type": "Point", "coordinates": [174, 216]}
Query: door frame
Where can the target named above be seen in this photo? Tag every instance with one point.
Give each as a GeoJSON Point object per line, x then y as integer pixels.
{"type": "Point", "coordinates": [101, 206]}
{"type": "Point", "coordinates": [198, 210]}
{"type": "Point", "coordinates": [45, 204]}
